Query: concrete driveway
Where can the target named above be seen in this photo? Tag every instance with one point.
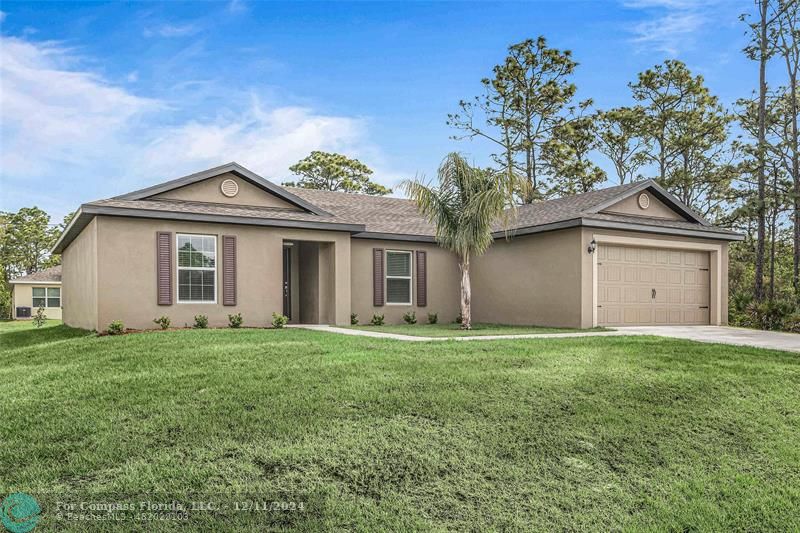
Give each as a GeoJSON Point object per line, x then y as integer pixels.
{"type": "Point", "coordinates": [726, 335]}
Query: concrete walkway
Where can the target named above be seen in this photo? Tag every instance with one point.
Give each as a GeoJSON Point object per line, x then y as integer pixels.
{"type": "Point", "coordinates": [714, 334]}
{"type": "Point", "coordinates": [774, 340]}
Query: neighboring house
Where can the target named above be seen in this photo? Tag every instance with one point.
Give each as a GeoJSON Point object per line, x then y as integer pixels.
{"type": "Point", "coordinates": [40, 289]}
{"type": "Point", "coordinates": [225, 241]}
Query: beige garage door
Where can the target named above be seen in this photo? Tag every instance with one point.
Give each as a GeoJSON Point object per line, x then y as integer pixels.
{"type": "Point", "coordinates": [641, 286]}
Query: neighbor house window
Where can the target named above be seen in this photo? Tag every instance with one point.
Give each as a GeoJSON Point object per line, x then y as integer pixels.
{"type": "Point", "coordinates": [197, 268]}
{"type": "Point", "coordinates": [46, 297]}
{"type": "Point", "coordinates": [398, 278]}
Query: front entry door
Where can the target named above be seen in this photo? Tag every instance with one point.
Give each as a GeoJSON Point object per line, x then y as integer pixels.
{"type": "Point", "coordinates": [287, 281]}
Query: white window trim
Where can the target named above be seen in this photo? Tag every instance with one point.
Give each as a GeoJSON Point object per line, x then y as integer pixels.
{"type": "Point", "coordinates": [410, 277]}
{"type": "Point", "coordinates": [46, 297]}
{"type": "Point", "coordinates": [179, 268]}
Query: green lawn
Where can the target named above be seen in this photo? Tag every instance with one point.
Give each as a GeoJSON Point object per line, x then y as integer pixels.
{"type": "Point", "coordinates": [604, 433]}
{"type": "Point", "coordinates": [454, 330]}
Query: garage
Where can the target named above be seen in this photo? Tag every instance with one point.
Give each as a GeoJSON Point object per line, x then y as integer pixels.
{"type": "Point", "coordinates": [639, 286]}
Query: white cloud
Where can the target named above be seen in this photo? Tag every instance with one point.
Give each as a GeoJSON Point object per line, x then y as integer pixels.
{"type": "Point", "coordinates": [2, 16]}
{"type": "Point", "coordinates": [673, 25]}
{"type": "Point", "coordinates": [172, 30]}
{"type": "Point", "coordinates": [73, 134]}
{"type": "Point", "coordinates": [237, 6]}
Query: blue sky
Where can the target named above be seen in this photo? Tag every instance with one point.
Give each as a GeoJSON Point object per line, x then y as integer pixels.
{"type": "Point", "coordinates": [97, 99]}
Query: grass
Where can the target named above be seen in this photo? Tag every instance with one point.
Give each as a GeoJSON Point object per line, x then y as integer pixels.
{"type": "Point", "coordinates": [454, 330]}
{"type": "Point", "coordinates": [611, 433]}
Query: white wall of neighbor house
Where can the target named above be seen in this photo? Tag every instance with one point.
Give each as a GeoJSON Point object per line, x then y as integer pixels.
{"type": "Point", "coordinates": [126, 273]}
{"type": "Point", "coordinates": [22, 296]}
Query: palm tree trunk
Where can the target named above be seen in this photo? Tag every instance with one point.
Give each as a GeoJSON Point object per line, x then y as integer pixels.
{"type": "Point", "coordinates": [466, 293]}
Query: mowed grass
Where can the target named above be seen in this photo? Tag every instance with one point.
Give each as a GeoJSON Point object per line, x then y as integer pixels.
{"type": "Point", "coordinates": [454, 330]}
{"type": "Point", "coordinates": [631, 433]}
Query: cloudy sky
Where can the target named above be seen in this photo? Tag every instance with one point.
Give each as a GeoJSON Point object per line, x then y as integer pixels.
{"type": "Point", "coordinates": [98, 99]}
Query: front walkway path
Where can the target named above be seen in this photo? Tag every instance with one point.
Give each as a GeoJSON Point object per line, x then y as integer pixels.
{"type": "Point", "coordinates": [715, 334]}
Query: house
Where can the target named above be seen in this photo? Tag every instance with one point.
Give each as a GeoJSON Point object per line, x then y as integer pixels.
{"type": "Point", "coordinates": [40, 289]}
{"type": "Point", "coordinates": [226, 241]}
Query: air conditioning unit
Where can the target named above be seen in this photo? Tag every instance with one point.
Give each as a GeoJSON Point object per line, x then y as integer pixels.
{"type": "Point", "coordinates": [23, 312]}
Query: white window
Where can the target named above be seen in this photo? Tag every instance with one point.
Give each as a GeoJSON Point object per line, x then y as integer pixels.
{"type": "Point", "coordinates": [398, 278]}
{"type": "Point", "coordinates": [46, 297]}
{"type": "Point", "coordinates": [197, 268]}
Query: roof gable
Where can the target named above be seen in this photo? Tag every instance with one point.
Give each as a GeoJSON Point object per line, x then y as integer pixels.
{"type": "Point", "coordinates": [168, 189]}
{"type": "Point", "coordinates": [666, 200]}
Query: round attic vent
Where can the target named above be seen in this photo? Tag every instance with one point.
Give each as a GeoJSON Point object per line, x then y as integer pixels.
{"type": "Point", "coordinates": [229, 188]}
{"type": "Point", "coordinates": [644, 201]}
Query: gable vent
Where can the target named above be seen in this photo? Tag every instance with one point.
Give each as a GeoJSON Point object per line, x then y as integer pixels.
{"type": "Point", "coordinates": [644, 201]}
{"type": "Point", "coordinates": [229, 188]}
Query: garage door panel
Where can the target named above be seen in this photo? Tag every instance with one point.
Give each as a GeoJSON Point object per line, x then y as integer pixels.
{"type": "Point", "coordinates": [640, 286]}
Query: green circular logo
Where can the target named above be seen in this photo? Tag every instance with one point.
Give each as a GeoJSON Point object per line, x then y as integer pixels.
{"type": "Point", "coordinates": [20, 512]}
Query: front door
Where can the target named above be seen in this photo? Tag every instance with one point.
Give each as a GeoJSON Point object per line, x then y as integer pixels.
{"type": "Point", "coordinates": [287, 281]}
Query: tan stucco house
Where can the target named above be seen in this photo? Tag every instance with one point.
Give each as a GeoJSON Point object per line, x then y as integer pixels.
{"type": "Point", "coordinates": [226, 241]}
{"type": "Point", "coordinates": [39, 289]}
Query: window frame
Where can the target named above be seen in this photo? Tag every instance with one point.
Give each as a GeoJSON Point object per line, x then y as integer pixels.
{"type": "Point", "coordinates": [46, 297]}
{"type": "Point", "coordinates": [178, 269]}
{"type": "Point", "coordinates": [410, 277]}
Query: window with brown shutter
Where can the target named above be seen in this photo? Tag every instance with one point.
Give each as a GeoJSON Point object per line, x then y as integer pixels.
{"type": "Point", "coordinates": [422, 278]}
{"type": "Point", "coordinates": [228, 270]}
{"type": "Point", "coordinates": [164, 267]}
{"type": "Point", "coordinates": [377, 277]}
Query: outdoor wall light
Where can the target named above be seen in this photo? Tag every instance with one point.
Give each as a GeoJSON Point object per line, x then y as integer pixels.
{"type": "Point", "coordinates": [592, 246]}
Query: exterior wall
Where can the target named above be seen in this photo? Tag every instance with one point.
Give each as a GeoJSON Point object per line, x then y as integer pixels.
{"type": "Point", "coordinates": [79, 279]}
{"type": "Point", "coordinates": [126, 272]}
{"type": "Point", "coordinates": [530, 280]}
{"type": "Point", "coordinates": [657, 209]}
{"type": "Point", "coordinates": [718, 268]}
{"type": "Point", "coordinates": [22, 296]}
{"type": "Point", "coordinates": [443, 281]}
{"type": "Point", "coordinates": [208, 191]}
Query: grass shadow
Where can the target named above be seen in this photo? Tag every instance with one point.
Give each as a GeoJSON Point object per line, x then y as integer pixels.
{"type": "Point", "coordinates": [23, 338]}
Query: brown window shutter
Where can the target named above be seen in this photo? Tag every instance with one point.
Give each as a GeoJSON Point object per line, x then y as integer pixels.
{"type": "Point", "coordinates": [422, 278]}
{"type": "Point", "coordinates": [164, 267]}
{"type": "Point", "coordinates": [377, 277]}
{"type": "Point", "coordinates": [228, 270]}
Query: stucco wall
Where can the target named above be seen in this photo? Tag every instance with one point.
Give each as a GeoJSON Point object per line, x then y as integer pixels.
{"type": "Point", "coordinates": [126, 274]}
{"type": "Point", "coordinates": [531, 280]}
{"type": "Point", "coordinates": [208, 191]}
{"type": "Point", "coordinates": [23, 297]}
{"type": "Point", "coordinates": [443, 282]}
{"type": "Point", "coordinates": [79, 279]}
{"type": "Point", "coordinates": [657, 209]}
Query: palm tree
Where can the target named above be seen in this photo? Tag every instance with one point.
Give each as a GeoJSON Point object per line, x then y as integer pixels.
{"type": "Point", "coordinates": [464, 207]}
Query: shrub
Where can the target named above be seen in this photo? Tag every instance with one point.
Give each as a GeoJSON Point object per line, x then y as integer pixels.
{"type": "Point", "coordinates": [353, 319]}
{"type": "Point", "coordinates": [235, 321]}
{"type": "Point", "coordinates": [792, 323]}
{"type": "Point", "coordinates": [39, 318]}
{"type": "Point", "coordinates": [279, 320]}
{"type": "Point", "coordinates": [433, 318]}
{"type": "Point", "coordinates": [410, 317]}
{"type": "Point", "coordinates": [163, 322]}
{"type": "Point", "coordinates": [200, 322]}
{"type": "Point", "coordinates": [459, 318]}
{"type": "Point", "coordinates": [116, 328]}
{"type": "Point", "coordinates": [767, 315]}
{"type": "Point", "coordinates": [377, 320]}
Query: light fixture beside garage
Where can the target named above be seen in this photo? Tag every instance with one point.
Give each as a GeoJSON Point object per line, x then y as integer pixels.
{"type": "Point", "coordinates": [644, 201]}
{"type": "Point", "coordinates": [229, 188]}
{"type": "Point", "coordinates": [592, 246]}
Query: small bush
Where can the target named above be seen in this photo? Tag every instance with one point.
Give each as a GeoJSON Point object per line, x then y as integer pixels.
{"type": "Point", "coordinates": [279, 320]}
{"type": "Point", "coordinates": [410, 317]}
{"type": "Point", "coordinates": [377, 320]}
{"type": "Point", "coordinates": [792, 323]}
{"type": "Point", "coordinates": [353, 319]}
{"type": "Point", "coordinates": [39, 318]}
{"type": "Point", "coordinates": [116, 328]}
{"type": "Point", "coordinates": [459, 319]}
{"type": "Point", "coordinates": [163, 322]}
{"type": "Point", "coordinates": [433, 318]}
{"type": "Point", "coordinates": [235, 321]}
{"type": "Point", "coordinates": [200, 322]}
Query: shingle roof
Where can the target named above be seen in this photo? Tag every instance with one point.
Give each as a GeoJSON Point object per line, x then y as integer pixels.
{"type": "Point", "coordinates": [48, 275]}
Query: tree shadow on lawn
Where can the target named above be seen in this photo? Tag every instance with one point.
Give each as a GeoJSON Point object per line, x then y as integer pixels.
{"type": "Point", "coordinates": [24, 338]}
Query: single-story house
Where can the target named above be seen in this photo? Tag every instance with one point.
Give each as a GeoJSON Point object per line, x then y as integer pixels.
{"type": "Point", "coordinates": [39, 289]}
{"type": "Point", "coordinates": [227, 241]}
